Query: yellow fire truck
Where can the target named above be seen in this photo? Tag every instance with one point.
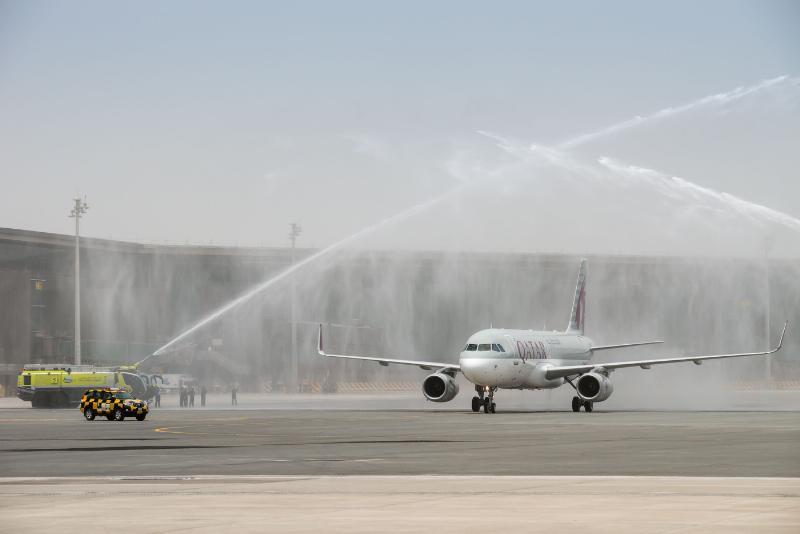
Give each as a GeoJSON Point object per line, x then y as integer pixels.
{"type": "Point", "coordinates": [62, 386]}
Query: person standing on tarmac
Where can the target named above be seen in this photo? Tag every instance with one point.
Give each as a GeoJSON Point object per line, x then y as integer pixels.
{"type": "Point", "coordinates": [191, 396]}
{"type": "Point", "coordinates": [203, 392]}
{"type": "Point", "coordinates": [158, 397]}
{"type": "Point", "coordinates": [234, 393]}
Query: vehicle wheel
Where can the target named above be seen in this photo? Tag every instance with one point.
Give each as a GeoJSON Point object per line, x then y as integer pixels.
{"type": "Point", "coordinates": [476, 404]}
{"type": "Point", "coordinates": [576, 404]}
{"type": "Point", "coordinates": [62, 400]}
{"type": "Point", "coordinates": [140, 416]}
{"type": "Point", "coordinates": [588, 406]}
{"type": "Point", "coordinates": [119, 415]}
{"type": "Point", "coordinates": [46, 400]}
{"type": "Point", "coordinates": [110, 417]}
{"type": "Point", "coordinates": [89, 414]}
{"type": "Point", "coordinates": [487, 406]}
{"type": "Point", "coordinates": [493, 407]}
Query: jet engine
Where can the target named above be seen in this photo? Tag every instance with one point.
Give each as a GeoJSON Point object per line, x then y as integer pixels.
{"type": "Point", "coordinates": [594, 387]}
{"type": "Point", "coordinates": [439, 387]}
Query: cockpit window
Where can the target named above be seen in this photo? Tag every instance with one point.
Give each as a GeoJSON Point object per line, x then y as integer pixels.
{"type": "Point", "coordinates": [472, 346]}
{"type": "Point", "coordinates": [485, 347]}
{"type": "Point", "coordinates": [497, 348]}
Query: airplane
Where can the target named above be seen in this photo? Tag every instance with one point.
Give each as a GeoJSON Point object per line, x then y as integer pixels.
{"type": "Point", "coordinates": [498, 358]}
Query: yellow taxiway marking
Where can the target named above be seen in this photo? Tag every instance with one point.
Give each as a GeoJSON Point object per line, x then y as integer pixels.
{"type": "Point", "coordinates": [173, 429]}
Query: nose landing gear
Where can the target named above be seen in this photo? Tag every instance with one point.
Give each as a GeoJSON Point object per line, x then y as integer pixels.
{"type": "Point", "coordinates": [484, 399]}
{"type": "Point", "coordinates": [477, 402]}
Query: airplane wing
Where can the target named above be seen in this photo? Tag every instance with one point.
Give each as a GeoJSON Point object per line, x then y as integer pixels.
{"type": "Point", "coordinates": [625, 345]}
{"type": "Point", "coordinates": [386, 361]}
{"type": "Point", "coordinates": [569, 370]}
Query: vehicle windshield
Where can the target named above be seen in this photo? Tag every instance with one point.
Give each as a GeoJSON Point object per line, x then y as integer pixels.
{"type": "Point", "coordinates": [123, 396]}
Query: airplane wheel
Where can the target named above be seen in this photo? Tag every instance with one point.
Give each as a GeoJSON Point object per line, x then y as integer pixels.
{"type": "Point", "coordinates": [588, 406]}
{"type": "Point", "coordinates": [576, 404]}
{"type": "Point", "coordinates": [487, 406]}
{"type": "Point", "coordinates": [493, 407]}
{"type": "Point", "coordinates": [476, 404]}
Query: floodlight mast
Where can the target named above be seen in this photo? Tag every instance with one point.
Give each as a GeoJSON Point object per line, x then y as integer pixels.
{"type": "Point", "coordinates": [294, 232]}
{"type": "Point", "coordinates": [78, 210]}
{"type": "Point", "coordinates": [767, 309]}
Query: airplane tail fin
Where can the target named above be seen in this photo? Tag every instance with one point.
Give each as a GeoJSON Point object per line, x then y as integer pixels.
{"type": "Point", "coordinates": [576, 318]}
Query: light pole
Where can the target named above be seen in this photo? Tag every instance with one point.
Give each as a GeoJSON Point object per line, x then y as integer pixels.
{"type": "Point", "coordinates": [767, 308]}
{"type": "Point", "coordinates": [294, 232]}
{"type": "Point", "coordinates": [77, 211]}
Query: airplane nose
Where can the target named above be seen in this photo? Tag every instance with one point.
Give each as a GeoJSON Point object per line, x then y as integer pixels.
{"type": "Point", "coordinates": [478, 370]}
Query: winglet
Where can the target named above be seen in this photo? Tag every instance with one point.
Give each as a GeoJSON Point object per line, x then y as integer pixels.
{"type": "Point", "coordinates": [780, 341]}
{"type": "Point", "coordinates": [319, 342]}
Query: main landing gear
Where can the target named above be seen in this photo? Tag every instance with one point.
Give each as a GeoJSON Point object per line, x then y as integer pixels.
{"type": "Point", "coordinates": [588, 406]}
{"type": "Point", "coordinates": [484, 399]}
{"type": "Point", "coordinates": [577, 403]}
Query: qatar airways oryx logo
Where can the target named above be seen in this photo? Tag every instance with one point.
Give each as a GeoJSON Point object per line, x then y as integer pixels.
{"type": "Point", "coordinates": [531, 350]}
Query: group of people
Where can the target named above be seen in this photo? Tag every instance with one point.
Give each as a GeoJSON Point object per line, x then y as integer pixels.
{"type": "Point", "coordinates": [187, 393]}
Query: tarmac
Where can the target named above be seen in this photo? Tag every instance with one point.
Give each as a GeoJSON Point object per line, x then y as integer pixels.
{"type": "Point", "coordinates": [403, 504]}
{"type": "Point", "coordinates": [320, 464]}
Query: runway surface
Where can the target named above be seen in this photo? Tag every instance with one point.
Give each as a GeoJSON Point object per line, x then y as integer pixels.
{"type": "Point", "coordinates": [400, 442]}
{"type": "Point", "coordinates": [370, 463]}
{"type": "Point", "coordinates": [405, 504]}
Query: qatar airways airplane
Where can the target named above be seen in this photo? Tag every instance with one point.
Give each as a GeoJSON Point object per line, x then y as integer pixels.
{"type": "Point", "coordinates": [526, 359]}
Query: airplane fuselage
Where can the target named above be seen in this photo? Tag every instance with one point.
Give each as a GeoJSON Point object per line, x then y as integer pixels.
{"type": "Point", "coordinates": [519, 359]}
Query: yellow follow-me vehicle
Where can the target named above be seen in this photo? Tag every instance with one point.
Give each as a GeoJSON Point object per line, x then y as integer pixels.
{"type": "Point", "coordinates": [115, 404]}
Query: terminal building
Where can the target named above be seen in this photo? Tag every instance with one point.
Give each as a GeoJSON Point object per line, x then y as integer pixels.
{"type": "Point", "coordinates": [136, 297]}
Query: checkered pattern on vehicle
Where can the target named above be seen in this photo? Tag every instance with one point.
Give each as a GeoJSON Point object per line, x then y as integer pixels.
{"type": "Point", "coordinates": [94, 399]}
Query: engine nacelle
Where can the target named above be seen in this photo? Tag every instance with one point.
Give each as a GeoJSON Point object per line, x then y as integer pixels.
{"type": "Point", "coordinates": [594, 387]}
{"type": "Point", "coordinates": [439, 387]}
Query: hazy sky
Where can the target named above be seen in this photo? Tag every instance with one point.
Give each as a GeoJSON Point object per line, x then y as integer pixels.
{"type": "Point", "coordinates": [222, 122]}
